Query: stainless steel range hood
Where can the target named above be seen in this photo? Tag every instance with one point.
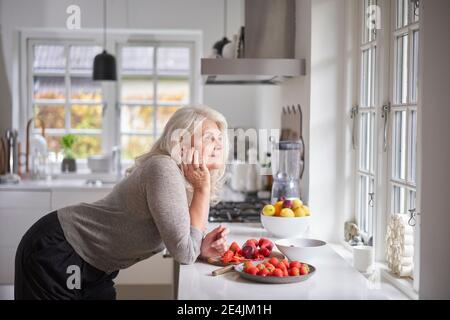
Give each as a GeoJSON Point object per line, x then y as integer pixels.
{"type": "Point", "coordinates": [269, 48]}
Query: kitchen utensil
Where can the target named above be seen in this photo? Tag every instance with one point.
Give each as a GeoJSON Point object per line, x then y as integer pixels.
{"type": "Point", "coordinates": [279, 280]}
{"type": "Point", "coordinates": [283, 227]}
{"type": "Point", "coordinates": [223, 270]}
{"type": "Point", "coordinates": [286, 169]}
{"type": "Point", "coordinates": [99, 163]}
{"type": "Point", "coordinates": [301, 249]}
{"type": "Point", "coordinates": [217, 262]}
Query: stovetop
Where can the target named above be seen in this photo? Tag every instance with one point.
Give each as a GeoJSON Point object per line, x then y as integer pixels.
{"type": "Point", "coordinates": [247, 211]}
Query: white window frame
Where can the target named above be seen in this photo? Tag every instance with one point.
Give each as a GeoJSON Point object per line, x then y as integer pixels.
{"type": "Point", "coordinates": [23, 110]}
{"type": "Point", "coordinates": [384, 93]}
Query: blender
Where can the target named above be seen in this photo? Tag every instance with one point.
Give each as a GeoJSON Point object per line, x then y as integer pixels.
{"type": "Point", "coordinates": [287, 168]}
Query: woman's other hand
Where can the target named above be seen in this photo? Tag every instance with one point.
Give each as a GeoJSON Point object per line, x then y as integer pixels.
{"type": "Point", "coordinates": [214, 244]}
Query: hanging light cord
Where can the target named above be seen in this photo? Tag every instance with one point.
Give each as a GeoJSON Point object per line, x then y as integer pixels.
{"type": "Point", "coordinates": [104, 24]}
{"type": "Point", "coordinates": [225, 17]}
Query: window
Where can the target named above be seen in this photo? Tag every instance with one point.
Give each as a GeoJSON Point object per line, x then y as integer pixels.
{"type": "Point", "coordinates": [386, 121]}
{"type": "Point", "coordinates": [155, 78]}
{"type": "Point", "coordinates": [64, 96]}
{"type": "Point", "coordinates": [154, 83]}
{"type": "Point", "coordinates": [365, 168]}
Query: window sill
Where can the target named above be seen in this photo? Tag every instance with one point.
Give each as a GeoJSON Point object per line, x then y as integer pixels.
{"type": "Point", "coordinates": [404, 285]}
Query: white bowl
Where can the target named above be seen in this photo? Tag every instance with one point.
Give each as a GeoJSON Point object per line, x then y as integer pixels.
{"type": "Point", "coordinates": [282, 227]}
{"type": "Point", "coordinates": [301, 249]}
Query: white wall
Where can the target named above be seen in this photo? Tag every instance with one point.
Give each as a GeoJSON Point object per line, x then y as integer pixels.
{"type": "Point", "coordinates": [204, 15]}
{"type": "Point", "coordinates": [434, 116]}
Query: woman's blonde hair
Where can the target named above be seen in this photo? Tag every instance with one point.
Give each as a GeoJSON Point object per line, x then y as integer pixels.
{"type": "Point", "coordinates": [185, 121]}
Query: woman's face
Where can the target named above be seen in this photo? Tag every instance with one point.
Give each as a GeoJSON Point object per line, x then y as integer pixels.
{"type": "Point", "coordinates": [211, 145]}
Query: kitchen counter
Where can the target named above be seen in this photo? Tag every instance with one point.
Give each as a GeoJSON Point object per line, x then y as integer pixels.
{"type": "Point", "coordinates": [56, 184]}
{"type": "Point", "coordinates": [334, 278]}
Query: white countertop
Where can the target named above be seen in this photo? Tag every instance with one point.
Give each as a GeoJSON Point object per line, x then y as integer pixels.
{"type": "Point", "coordinates": [334, 278]}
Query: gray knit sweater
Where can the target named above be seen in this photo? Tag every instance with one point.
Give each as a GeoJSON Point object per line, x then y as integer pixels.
{"type": "Point", "coordinates": [145, 212]}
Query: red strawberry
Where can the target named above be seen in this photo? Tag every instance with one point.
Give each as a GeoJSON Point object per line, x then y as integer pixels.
{"type": "Point", "coordinates": [269, 267]}
{"type": "Point", "coordinates": [285, 262]}
{"type": "Point", "coordinates": [277, 273]}
{"type": "Point", "coordinates": [248, 264]}
{"type": "Point", "coordinates": [261, 266]}
{"type": "Point", "coordinates": [295, 264]}
{"type": "Point", "coordinates": [252, 270]}
{"type": "Point", "coordinates": [285, 273]}
{"type": "Point", "coordinates": [274, 261]}
{"type": "Point", "coordinates": [260, 257]}
{"type": "Point", "coordinates": [227, 256]}
{"type": "Point", "coordinates": [234, 247]}
{"type": "Point", "coordinates": [263, 272]}
{"type": "Point", "coordinates": [281, 266]}
{"type": "Point", "coordinates": [304, 269]}
{"type": "Point", "coordinates": [294, 271]}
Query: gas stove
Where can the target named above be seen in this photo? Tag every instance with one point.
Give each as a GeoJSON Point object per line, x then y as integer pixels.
{"type": "Point", "coordinates": [246, 211]}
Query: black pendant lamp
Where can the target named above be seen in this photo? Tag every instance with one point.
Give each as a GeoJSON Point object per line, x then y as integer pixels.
{"type": "Point", "coordinates": [104, 63]}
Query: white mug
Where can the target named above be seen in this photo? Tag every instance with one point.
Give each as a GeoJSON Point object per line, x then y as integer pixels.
{"type": "Point", "coordinates": [363, 258]}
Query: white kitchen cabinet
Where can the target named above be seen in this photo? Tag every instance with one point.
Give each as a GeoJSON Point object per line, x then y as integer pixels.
{"type": "Point", "coordinates": [18, 211]}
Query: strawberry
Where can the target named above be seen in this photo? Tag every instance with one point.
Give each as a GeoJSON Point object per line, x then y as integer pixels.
{"type": "Point", "coordinates": [295, 264]}
{"type": "Point", "coordinates": [263, 272]}
{"type": "Point", "coordinates": [294, 271]}
{"type": "Point", "coordinates": [285, 262]}
{"type": "Point", "coordinates": [304, 269]}
{"type": "Point", "coordinates": [281, 266]}
{"type": "Point", "coordinates": [274, 261]}
{"type": "Point", "coordinates": [227, 256]}
{"type": "Point", "coordinates": [277, 273]}
{"type": "Point", "coordinates": [270, 267]}
{"type": "Point", "coordinates": [260, 266]}
{"type": "Point", "coordinates": [252, 270]}
{"type": "Point", "coordinates": [285, 273]}
{"type": "Point", "coordinates": [234, 247]}
{"type": "Point", "coordinates": [260, 257]}
{"type": "Point", "coordinates": [248, 264]}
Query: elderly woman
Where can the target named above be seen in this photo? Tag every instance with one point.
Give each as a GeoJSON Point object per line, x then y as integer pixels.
{"type": "Point", "coordinates": [163, 202]}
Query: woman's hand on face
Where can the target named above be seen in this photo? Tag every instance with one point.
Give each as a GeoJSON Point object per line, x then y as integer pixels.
{"type": "Point", "coordinates": [195, 171]}
{"type": "Point", "coordinates": [214, 244]}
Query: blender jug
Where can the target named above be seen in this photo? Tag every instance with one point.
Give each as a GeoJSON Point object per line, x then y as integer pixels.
{"type": "Point", "coordinates": [287, 166]}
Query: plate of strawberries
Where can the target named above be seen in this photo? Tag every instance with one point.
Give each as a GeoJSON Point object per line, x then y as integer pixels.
{"type": "Point", "coordinates": [252, 250]}
{"type": "Point", "coordinates": [275, 271]}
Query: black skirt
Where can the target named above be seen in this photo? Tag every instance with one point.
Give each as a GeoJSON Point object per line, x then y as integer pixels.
{"type": "Point", "coordinates": [47, 267]}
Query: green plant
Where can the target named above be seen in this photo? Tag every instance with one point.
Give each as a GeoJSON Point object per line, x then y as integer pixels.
{"type": "Point", "coordinates": [67, 142]}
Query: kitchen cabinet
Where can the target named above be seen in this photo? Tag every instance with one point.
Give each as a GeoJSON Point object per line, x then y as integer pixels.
{"type": "Point", "coordinates": [19, 209]}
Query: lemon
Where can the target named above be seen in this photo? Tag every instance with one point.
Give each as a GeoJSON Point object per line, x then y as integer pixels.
{"type": "Point", "coordinates": [269, 210]}
{"type": "Point", "coordinates": [308, 213]}
{"type": "Point", "coordinates": [296, 203]}
{"type": "Point", "coordinates": [300, 212]}
{"type": "Point", "coordinates": [287, 213]}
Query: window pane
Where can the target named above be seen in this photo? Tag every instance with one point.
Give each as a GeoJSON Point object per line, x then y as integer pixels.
{"type": "Point", "coordinates": [398, 200]}
{"type": "Point", "coordinates": [401, 80]}
{"type": "Point", "coordinates": [136, 119]}
{"type": "Point", "coordinates": [413, 146]}
{"type": "Point", "coordinates": [137, 60]}
{"type": "Point", "coordinates": [53, 143]}
{"type": "Point", "coordinates": [173, 61]}
{"type": "Point", "coordinates": [402, 13]}
{"type": "Point", "coordinates": [415, 67]}
{"type": "Point", "coordinates": [49, 59]}
{"type": "Point", "coordinates": [369, 33]}
{"type": "Point", "coordinates": [368, 78]}
{"type": "Point", "coordinates": [83, 88]}
{"type": "Point", "coordinates": [173, 90]}
{"type": "Point", "coordinates": [87, 145]}
{"type": "Point", "coordinates": [86, 116]}
{"type": "Point", "coordinates": [163, 115]}
{"type": "Point", "coordinates": [52, 115]}
{"type": "Point", "coordinates": [399, 145]}
{"type": "Point", "coordinates": [366, 141]}
{"type": "Point", "coordinates": [134, 146]}
{"type": "Point", "coordinates": [412, 199]}
{"type": "Point", "coordinates": [82, 58]}
{"type": "Point", "coordinates": [48, 88]}
{"type": "Point", "coordinates": [137, 90]}
{"type": "Point", "coordinates": [365, 205]}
